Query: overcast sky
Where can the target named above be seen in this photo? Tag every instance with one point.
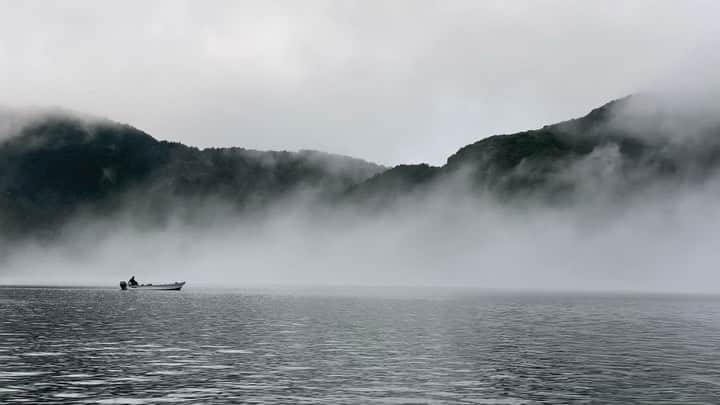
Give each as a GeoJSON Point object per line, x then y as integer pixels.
{"type": "Point", "coordinates": [388, 81]}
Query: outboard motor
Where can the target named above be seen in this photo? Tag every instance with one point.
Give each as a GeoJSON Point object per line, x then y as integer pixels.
{"type": "Point", "coordinates": [123, 285]}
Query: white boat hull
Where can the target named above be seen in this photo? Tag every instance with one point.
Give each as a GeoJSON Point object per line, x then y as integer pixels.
{"type": "Point", "coordinates": [153, 287]}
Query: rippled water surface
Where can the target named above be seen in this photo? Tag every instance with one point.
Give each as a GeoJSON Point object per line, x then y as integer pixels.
{"type": "Point", "coordinates": [115, 347]}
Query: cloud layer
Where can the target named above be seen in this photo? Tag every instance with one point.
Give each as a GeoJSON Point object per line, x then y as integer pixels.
{"type": "Point", "coordinates": [395, 82]}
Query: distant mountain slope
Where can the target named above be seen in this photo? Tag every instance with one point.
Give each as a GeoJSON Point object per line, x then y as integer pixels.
{"type": "Point", "coordinates": [398, 181]}
{"type": "Point", "coordinates": [619, 148]}
{"type": "Point", "coordinates": [57, 164]}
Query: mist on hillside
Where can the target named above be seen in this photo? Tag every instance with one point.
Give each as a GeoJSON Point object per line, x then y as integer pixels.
{"type": "Point", "coordinates": [662, 237]}
{"type": "Point", "coordinates": [667, 242]}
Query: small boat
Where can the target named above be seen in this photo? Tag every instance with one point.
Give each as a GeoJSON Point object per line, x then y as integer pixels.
{"type": "Point", "coordinates": [176, 286]}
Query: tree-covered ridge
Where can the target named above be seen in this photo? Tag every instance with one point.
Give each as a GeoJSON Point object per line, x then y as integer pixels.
{"type": "Point", "coordinates": [622, 147]}
{"type": "Point", "coordinates": [59, 165]}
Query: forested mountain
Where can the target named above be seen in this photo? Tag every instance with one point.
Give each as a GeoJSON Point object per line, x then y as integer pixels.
{"type": "Point", "coordinates": [55, 165]}
{"type": "Point", "coordinates": [618, 149]}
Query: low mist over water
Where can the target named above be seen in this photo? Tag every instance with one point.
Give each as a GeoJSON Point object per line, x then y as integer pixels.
{"type": "Point", "coordinates": [661, 242]}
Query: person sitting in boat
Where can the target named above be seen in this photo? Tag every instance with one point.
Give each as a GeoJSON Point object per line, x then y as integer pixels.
{"type": "Point", "coordinates": [132, 281]}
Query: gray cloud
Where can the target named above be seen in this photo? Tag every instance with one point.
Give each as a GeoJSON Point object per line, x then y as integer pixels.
{"type": "Point", "coordinates": [393, 82]}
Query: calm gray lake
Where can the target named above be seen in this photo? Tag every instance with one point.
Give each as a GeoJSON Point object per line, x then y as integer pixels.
{"type": "Point", "coordinates": [115, 347]}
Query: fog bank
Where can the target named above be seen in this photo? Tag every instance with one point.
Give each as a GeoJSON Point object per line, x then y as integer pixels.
{"type": "Point", "coordinates": [659, 242]}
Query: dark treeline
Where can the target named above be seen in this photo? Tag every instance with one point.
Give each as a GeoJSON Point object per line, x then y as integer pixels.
{"type": "Point", "coordinates": [59, 165]}
{"type": "Point", "coordinates": [617, 150]}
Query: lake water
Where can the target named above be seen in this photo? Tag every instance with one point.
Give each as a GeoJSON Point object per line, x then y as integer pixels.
{"type": "Point", "coordinates": [106, 346]}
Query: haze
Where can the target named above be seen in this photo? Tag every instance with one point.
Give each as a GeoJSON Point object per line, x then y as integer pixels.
{"type": "Point", "coordinates": [661, 241]}
{"type": "Point", "coordinates": [391, 82]}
